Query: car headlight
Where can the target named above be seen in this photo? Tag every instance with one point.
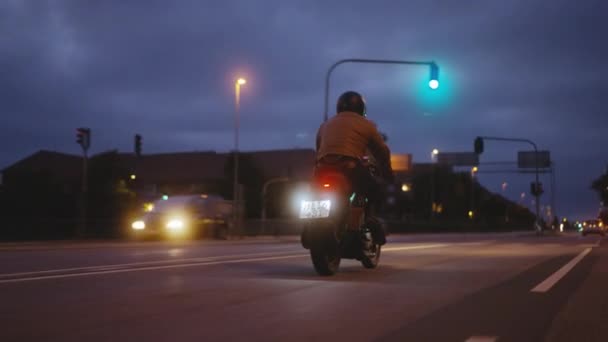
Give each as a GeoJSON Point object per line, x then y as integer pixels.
{"type": "Point", "coordinates": [138, 225]}
{"type": "Point", "coordinates": [175, 224]}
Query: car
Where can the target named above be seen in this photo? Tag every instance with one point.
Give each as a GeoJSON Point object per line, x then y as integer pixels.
{"type": "Point", "coordinates": [593, 227]}
{"type": "Point", "coordinates": [183, 217]}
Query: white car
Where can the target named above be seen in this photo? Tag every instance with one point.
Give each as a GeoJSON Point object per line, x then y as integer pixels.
{"type": "Point", "coordinates": [185, 216]}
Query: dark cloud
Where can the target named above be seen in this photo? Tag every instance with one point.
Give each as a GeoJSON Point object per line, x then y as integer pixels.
{"type": "Point", "coordinates": [166, 70]}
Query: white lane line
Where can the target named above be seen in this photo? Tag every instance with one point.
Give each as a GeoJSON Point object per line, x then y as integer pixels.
{"type": "Point", "coordinates": [131, 264]}
{"type": "Point", "coordinates": [548, 283]}
{"type": "Point", "coordinates": [481, 339]}
{"type": "Point", "coordinates": [118, 268]}
{"type": "Point", "coordinates": [406, 248]}
{"type": "Point", "coordinates": [72, 275]}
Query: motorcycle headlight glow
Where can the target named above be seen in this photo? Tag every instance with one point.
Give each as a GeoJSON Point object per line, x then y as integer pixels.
{"type": "Point", "coordinates": [175, 224]}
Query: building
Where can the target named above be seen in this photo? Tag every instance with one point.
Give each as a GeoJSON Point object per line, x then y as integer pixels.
{"type": "Point", "coordinates": [154, 173]}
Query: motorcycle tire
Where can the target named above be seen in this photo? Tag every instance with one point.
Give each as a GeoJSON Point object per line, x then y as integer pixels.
{"type": "Point", "coordinates": [372, 261]}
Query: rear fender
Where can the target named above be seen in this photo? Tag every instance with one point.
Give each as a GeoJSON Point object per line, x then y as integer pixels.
{"type": "Point", "coordinates": [319, 233]}
{"type": "Point", "coordinates": [333, 181]}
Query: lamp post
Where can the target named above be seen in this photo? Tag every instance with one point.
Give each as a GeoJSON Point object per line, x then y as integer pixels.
{"type": "Point", "coordinates": [433, 79]}
{"type": "Point", "coordinates": [235, 194]}
{"type": "Point", "coordinates": [474, 171]}
{"type": "Point", "coordinates": [434, 155]}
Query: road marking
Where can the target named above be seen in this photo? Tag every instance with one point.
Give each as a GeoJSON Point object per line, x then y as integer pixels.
{"type": "Point", "coordinates": [481, 339]}
{"type": "Point", "coordinates": [406, 248]}
{"type": "Point", "coordinates": [141, 263]}
{"type": "Point", "coordinates": [158, 265]}
{"type": "Point", "coordinates": [149, 268]}
{"type": "Point", "coordinates": [548, 283]}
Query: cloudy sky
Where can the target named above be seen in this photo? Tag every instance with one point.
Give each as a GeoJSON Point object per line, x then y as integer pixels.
{"type": "Point", "coordinates": [166, 70]}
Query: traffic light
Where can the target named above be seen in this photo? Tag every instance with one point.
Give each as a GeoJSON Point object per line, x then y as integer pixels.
{"type": "Point", "coordinates": [478, 145]}
{"type": "Point", "coordinates": [434, 79]}
{"type": "Point", "coordinates": [536, 188]}
{"type": "Point", "coordinates": [83, 137]}
{"type": "Point", "coordinates": [137, 145]}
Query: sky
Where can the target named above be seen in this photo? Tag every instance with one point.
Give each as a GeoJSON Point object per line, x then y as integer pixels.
{"type": "Point", "coordinates": [166, 70]}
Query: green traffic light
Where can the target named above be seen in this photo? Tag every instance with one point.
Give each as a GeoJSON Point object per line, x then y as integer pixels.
{"type": "Point", "coordinates": [165, 197]}
{"type": "Point", "coordinates": [434, 84]}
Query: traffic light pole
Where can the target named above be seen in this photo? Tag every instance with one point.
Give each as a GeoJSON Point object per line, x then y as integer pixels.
{"type": "Point", "coordinates": [85, 179]}
{"type": "Point", "coordinates": [83, 138]}
{"type": "Point", "coordinates": [432, 65]}
{"type": "Point", "coordinates": [537, 193]}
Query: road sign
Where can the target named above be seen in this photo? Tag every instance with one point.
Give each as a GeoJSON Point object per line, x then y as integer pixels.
{"type": "Point", "coordinates": [401, 162]}
{"type": "Point", "coordinates": [527, 159]}
{"type": "Point", "coordinates": [458, 158]}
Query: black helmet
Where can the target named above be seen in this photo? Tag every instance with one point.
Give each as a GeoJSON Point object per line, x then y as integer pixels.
{"type": "Point", "coordinates": [351, 101]}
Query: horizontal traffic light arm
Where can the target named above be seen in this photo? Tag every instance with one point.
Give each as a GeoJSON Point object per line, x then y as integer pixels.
{"type": "Point", "coordinates": [434, 72]}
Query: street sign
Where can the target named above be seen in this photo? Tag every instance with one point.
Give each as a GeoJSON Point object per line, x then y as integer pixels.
{"type": "Point", "coordinates": [401, 162]}
{"type": "Point", "coordinates": [527, 159]}
{"type": "Point", "coordinates": [458, 158]}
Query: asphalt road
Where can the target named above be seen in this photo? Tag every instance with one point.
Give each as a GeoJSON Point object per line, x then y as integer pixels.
{"type": "Point", "coordinates": [485, 287]}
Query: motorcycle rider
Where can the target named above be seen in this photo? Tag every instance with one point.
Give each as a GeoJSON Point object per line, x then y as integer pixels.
{"type": "Point", "coordinates": [344, 140]}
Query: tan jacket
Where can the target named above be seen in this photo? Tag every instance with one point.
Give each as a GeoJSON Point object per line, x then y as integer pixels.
{"type": "Point", "coordinates": [350, 134]}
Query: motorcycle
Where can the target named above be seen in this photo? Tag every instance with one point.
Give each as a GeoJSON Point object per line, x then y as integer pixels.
{"type": "Point", "coordinates": [335, 223]}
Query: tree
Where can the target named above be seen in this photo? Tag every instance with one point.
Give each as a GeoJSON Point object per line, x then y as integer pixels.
{"type": "Point", "coordinates": [600, 185]}
{"type": "Point", "coordinates": [37, 205]}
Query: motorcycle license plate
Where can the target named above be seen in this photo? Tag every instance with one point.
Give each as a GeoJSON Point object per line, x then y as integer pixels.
{"type": "Point", "coordinates": [315, 209]}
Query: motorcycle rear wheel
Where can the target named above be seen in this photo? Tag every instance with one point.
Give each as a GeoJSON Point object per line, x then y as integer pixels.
{"type": "Point", "coordinates": [371, 259]}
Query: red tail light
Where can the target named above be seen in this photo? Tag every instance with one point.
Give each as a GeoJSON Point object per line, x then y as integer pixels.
{"type": "Point", "coordinates": [326, 185]}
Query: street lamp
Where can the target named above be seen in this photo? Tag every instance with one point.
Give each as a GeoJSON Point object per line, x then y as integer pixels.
{"type": "Point", "coordinates": [235, 194]}
{"type": "Point", "coordinates": [433, 79]}
{"type": "Point", "coordinates": [434, 153]}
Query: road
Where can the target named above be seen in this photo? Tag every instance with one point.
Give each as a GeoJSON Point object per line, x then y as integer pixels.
{"type": "Point", "coordinates": [449, 287]}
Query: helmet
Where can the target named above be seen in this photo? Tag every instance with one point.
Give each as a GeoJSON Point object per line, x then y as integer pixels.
{"type": "Point", "coordinates": [351, 101]}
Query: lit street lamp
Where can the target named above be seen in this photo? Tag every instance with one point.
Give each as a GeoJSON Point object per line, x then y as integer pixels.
{"type": "Point", "coordinates": [235, 194]}
{"type": "Point", "coordinates": [434, 153]}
